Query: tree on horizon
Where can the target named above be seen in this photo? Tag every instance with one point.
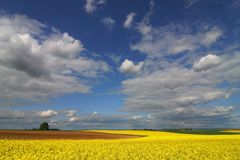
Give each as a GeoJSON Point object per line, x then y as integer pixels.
{"type": "Point", "coordinates": [44, 126]}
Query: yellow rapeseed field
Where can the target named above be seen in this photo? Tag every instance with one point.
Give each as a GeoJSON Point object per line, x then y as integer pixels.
{"type": "Point", "coordinates": [155, 145]}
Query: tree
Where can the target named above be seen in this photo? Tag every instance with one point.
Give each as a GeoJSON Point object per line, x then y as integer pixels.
{"type": "Point", "coordinates": [44, 126]}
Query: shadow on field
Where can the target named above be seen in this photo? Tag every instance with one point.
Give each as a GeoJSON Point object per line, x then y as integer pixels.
{"type": "Point", "coordinates": [203, 132]}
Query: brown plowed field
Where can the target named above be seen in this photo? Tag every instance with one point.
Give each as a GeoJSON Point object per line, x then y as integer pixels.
{"type": "Point", "coordinates": [12, 134]}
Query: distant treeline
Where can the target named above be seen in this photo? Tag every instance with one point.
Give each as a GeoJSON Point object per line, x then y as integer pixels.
{"type": "Point", "coordinates": [44, 127]}
{"type": "Point", "coordinates": [37, 129]}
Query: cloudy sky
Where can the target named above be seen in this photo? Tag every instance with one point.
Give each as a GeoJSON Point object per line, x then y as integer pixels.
{"type": "Point", "coordinates": [90, 64]}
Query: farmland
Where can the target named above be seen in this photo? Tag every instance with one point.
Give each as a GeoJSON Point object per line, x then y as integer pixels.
{"type": "Point", "coordinates": [149, 145]}
{"type": "Point", "coordinates": [12, 134]}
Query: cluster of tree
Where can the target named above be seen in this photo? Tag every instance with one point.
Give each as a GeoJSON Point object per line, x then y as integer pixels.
{"type": "Point", "coordinates": [44, 127]}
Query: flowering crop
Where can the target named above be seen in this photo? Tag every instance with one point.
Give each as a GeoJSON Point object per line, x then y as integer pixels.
{"type": "Point", "coordinates": [155, 145]}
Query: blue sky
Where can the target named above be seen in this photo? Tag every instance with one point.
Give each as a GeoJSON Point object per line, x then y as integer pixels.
{"type": "Point", "coordinates": [119, 64]}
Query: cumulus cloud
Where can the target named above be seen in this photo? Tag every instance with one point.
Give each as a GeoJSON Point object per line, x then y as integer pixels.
{"type": "Point", "coordinates": [71, 113]}
{"type": "Point", "coordinates": [176, 86]}
{"type": "Point", "coordinates": [94, 113]}
{"type": "Point", "coordinates": [72, 116]}
{"type": "Point", "coordinates": [108, 22]}
{"type": "Point", "coordinates": [168, 88]}
{"type": "Point", "coordinates": [180, 90]}
{"type": "Point", "coordinates": [37, 64]}
{"type": "Point", "coordinates": [129, 67]}
{"type": "Point", "coordinates": [47, 114]}
{"type": "Point", "coordinates": [207, 62]}
{"type": "Point", "coordinates": [92, 5]}
{"type": "Point", "coordinates": [129, 20]}
{"type": "Point", "coordinates": [73, 119]}
{"type": "Point", "coordinates": [185, 91]}
{"type": "Point", "coordinates": [63, 46]}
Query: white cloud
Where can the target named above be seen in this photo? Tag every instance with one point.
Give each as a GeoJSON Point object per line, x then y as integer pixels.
{"type": "Point", "coordinates": [94, 113]}
{"type": "Point", "coordinates": [178, 90]}
{"type": "Point", "coordinates": [207, 62]}
{"type": "Point", "coordinates": [73, 119]}
{"type": "Point", "coordinates": [11, 114]}
{"type": "Point", "coordinates": [189, 3]}
{"type": "Point", "coordinates": [168, 88]}
{"type": "Point", "coordinates": [108, 22]}
{"type": "Point", "coordinates": [47, 114]}
{"type": "Point", "coordinates": [72, 116]}
{"type": "Point", "coordinates": [175, 86]}
{"type": "Point", "coordinates": [211, 36]}
{"type": "Point", "coordinates": [144, 26]}
{"type": "Point", "coordinates": [35, 64]}
{"type": "Point", "coordinates": [187, 100]}
{"type": "Point", "coordinates": [136, 117]}
{"type": "Point", "coordinates": [71, 113]}
{"type": "Point", "coordinates": [63, 46]}
{"type": "Point", "coordinates": [228, 70]}
{"type": "Point", "coordinates": [212, 117]}
{"type": "Point", "coordinates": [129, 67]}
{"type": "Point", "coordinates": [173, 38]}
{"type": "Point", "coordinates": [180, 96]}
{"type": "Point", "coordinates": [92, 5]}
{"type": "Point", "coordinates": [215, 95]}
{"type": "Point", "coordinates": [129, 20]}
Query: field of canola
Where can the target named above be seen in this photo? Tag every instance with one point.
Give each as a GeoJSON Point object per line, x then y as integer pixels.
{"type": "Point", "coordinates": [154, 146]}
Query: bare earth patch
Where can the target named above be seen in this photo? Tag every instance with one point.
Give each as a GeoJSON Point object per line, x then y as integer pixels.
{"type": "Point", "coordinates": [12, 134]}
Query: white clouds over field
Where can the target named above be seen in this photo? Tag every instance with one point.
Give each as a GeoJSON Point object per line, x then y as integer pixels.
{"type": "Point", "coordinates": [123, 67]}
